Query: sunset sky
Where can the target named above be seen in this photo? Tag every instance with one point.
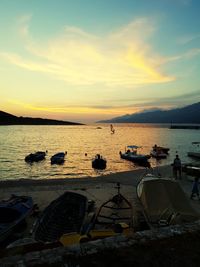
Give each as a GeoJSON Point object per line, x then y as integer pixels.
{"type": "Point", "coordinates": [89, 60]}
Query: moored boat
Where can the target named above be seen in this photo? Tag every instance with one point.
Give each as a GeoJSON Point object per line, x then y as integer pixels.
{"type": "Point", "coordinates": [158, 154]}
{"type": "Point", "coordinates": [13, 212]}
{"type": "Point", "coordinates": [58, 158]}
{"type": "Point", "coordinates": [196, 151]}
{"type": "Point", "coordinates": [35, 157]}
{"type": "Point", "coordinates": [164, 202]}
{"type": "Point", "coordinates": [99, 162]}
{"type": "Point", "coordinates": [164, 149]}
{"type": "Point", "coordinates": [191, 169]}
{"type": "Point", "coordinates": [68, 213]}
{"type": "Point", "coordinates": [132, 154]}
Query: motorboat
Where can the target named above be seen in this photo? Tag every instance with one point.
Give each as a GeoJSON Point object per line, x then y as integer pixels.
{"type": "Point", "coordinates": [58, 158]}
{"type": "Point", "coordinates": [163, 149]}
{"type": "Point", "coordinates": [132, 154]}
{"type": "Point", "coordinates": [164, 202]}
{"type": "Point", "coordinates": [99, 162]}
{"type": "Point", "coordinates": [13, 211]}
{"type": "Point", "coordinates": [196, 151]}
{"type": "Point", "coordinates": [158, 154]}
{"type": "Point", "coordinates": [191, 169]}
{"type": "Point", "coordinates": [35, 157]}
{"type": "Point", "coordinates": [68, 213]}
{"type": "Point", "coordinates": [113, 217]}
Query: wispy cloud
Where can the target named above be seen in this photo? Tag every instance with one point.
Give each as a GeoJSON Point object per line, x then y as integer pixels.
{"type": "Point", "coordinates": [187, 38]}
{"type": "Point", "coordinates": [121, 58]}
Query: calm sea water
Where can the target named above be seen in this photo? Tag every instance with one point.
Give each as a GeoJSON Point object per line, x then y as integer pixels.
{"type": "Point", "coordinates": [18, 141]}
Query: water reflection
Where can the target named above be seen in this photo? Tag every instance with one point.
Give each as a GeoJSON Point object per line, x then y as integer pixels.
{"type": "Point", "coordinates": [82, 143]}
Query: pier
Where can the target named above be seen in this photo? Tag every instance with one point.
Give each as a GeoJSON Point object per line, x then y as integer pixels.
{"type": "Point", "coordinates": [190, 127]}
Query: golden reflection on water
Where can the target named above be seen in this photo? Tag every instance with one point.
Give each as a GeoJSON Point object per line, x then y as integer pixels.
{"type": "Point", "coordinates": [18, 141]}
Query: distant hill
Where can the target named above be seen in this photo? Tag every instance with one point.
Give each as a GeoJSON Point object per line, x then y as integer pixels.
{"type": "Point", "coordinates": [188, 114]}
{"type": "Point", "coordinates": [9, 119]}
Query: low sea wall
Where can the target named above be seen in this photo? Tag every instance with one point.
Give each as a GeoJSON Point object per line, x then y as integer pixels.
{"type": "Point", "coordinates": [73, 255]}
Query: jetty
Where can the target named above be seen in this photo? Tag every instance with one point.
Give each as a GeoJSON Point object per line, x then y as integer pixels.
{"type": "Point", "coordinates": [190, 127]}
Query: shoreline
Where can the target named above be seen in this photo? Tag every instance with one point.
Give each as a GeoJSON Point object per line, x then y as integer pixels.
{"type": "Point", "coordinates": [121, 177]}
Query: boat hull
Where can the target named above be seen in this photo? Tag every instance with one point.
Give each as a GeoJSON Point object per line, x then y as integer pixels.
{"type": "Point", "coordinates": [58, 158]}
{"type": "Point", "coordinates": [99, 164]}
{"type": "Point", "coordinates": [13, 212]}
{"type": "Point", "coordinates": [63, 215]}
{"type": "Point", "coordinates": [135, 158]}
{"type": "Point", "coordinates": [158, 155]}
{"type": "Point", "coordinates": [35, 157]}
{"type": "Point", "coordinates": [194, 154]}
{"type": "Point", "coordinates": [164, 202]}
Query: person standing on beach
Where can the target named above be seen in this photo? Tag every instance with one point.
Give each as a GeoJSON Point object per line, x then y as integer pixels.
{"type": "Point", "coordinates": [177, 167]}
{"type": "Point", "coordinates": [195, 188]}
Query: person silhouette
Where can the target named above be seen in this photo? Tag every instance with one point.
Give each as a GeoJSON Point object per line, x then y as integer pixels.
{"type": "Point", "coordinates": [177, 169]}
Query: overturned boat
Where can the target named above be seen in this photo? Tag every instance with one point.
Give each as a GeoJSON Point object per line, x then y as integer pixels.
{"type": "Point", "coordinates": [35, 157]}
{"type": "Point", "coordinates": [58, 158]}
{"type": "Point", "coordinates": [99, 162]}
{"type": "Point", "coordinates": [164, 202]}
{"type": "Point", "coordinates": [68, 213]}
{"type": "Point", "coordinates": [13, 212]}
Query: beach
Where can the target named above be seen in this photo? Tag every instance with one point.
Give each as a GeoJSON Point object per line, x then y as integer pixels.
{"type": "Point", "coordinates": [98, 189]}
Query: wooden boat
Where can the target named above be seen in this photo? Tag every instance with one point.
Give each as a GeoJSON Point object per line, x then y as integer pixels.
{"type": "Point", "coordinates": [58, 158]}
{"type": "Point", "coordinates": [68, 213]}
{"type": "Point", "coordinates": [99, 162]}
{"type": "Point", "coordinates": [35, 157]}
{"type": "Point", "coordinates": [13, 212]}
{"type": "Point", "coordinates": [164, 202]}
{"type": "Point", "coordinates": [132, 155]}
{"type": "Point", "coordinates": [114, 216]}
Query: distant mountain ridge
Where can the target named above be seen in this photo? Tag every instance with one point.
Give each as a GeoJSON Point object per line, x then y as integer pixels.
{"type": "Point", "coordinates": [187, 114]}
{"type": "Point", "coordinates": [9, 119]}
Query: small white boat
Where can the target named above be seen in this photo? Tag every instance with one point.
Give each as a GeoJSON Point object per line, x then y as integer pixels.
{"type": "Point", "coordinates": [196, 152]}
{"type": "Point", "coordinates": [132, 154]}
{"type": "Point", "coordinates": [58, 158]}
{"type": "Point", "coordinates": [164, 149]}
{"type": "Point", "coordinates": [158, 154]}
{"type": "Point", "coordinates": [164, 202]}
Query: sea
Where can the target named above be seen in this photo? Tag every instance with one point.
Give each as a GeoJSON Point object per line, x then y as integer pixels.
{"type": "Point", "coordinates": [82, 143]}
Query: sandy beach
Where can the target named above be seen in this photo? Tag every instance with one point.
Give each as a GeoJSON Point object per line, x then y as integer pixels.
{"type": "Point", "coordinates": [98, 189]}
{"type": "Point", "coordinates": [101, 189]}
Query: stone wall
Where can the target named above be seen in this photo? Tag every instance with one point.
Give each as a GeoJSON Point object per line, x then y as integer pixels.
{"type": "Point", "coordinates": [70, 256]}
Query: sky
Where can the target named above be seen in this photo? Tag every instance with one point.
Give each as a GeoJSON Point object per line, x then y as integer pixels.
{"type": "Point", "coordinates": [90, 60]}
